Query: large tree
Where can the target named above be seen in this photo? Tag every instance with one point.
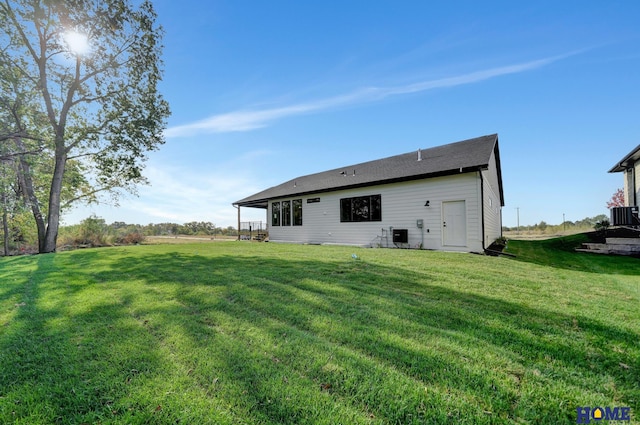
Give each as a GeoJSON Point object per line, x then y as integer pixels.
{"type": "Point", "coordinates": [91, 68]}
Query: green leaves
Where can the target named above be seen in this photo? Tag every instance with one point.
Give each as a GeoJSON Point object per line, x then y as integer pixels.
{"type": "Point", "coordinates": [98, 111]}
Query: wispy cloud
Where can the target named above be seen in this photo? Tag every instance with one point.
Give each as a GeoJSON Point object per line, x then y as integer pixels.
{"type": "Point", "coordinates": [196, 195]}
{"type": "Point", "coordinates": [246, 120]}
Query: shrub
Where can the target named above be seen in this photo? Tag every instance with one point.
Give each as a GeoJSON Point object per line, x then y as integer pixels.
{"type": "Point", "coordinates": [602, 225]}
{"type": "Point", "coordinates": [91, 232]}
{"type": "Point", "coordinates": [501, 242]}
{"type": "Point", "coordinates": [133, 238]}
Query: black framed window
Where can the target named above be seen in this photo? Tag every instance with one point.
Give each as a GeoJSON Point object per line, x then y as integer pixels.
{"type": "Point", "coordinates": [297, 212]}
{"type": "Point", "coordinates": [275, 213]}
{"type": "Point", "coordinates": [361, 208]}
{"type": "Point", "coordinates": [376, 208]}
{"type": "Point", "coordinates": [345, 210]}
{"type": "Point", "coordinates": [286, 213]}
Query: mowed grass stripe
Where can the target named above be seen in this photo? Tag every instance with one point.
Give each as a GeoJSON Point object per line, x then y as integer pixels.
{"type": "Point", "coordinates": [267, 333]}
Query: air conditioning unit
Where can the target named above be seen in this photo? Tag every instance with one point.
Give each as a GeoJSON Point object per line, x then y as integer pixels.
{"type": "Point", "coordinates": [400, 235]}
{"type": "Point", "coordinates": [625, 216]}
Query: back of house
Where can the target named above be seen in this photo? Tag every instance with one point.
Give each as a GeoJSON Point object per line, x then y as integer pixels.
{"type": "Point", "coordinates": [448, 197]}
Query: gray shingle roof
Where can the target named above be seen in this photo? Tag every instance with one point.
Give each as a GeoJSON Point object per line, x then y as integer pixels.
{"type": "Point", "coordinates": [454, 158]}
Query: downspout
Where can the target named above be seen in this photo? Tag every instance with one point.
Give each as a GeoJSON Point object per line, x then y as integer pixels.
{"type": "Point", "coordinates": [635, 189]}
{"type": "Point", "coordinates": [482, 207]}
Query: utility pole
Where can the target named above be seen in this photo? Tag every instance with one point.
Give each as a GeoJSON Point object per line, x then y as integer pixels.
{"type": "Point", "coordinates": [518, 216]}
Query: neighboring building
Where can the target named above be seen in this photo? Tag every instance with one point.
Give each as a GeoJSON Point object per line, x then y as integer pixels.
{"type": "Point", "coordinates": [625, 240]}
{"type": "Point", "coordinates": [448, 197]}
{"type": "Point", "coordinates": [630, 166]}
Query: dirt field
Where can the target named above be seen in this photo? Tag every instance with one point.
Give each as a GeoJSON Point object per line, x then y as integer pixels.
{"type": "Point", "coordinates": [531, 236]}
{"type": "Point", "coordinates": [188, 239]}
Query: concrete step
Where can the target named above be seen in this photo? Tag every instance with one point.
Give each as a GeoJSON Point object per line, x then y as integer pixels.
{"type": "Point", "coordinates": [595, 246]}
{"type": "Point", "coordinates": [624, 252]}
{"type": "Point", "coordinates": [623, 241]}
{"type": "Point", "coordinates": [593, 251]}
{"type": "Point", "coordinates": [600, 248]}
{"type": "Point", "coordinates": [632, 249]}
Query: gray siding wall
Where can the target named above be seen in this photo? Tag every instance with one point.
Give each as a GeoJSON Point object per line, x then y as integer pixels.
{"type": "Point", "coordinates": [402, 205]}
{"type": "Point", "coordinates": [492, 206]}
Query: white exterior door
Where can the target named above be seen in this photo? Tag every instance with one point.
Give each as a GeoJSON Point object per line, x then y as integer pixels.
{"type": "Point", "coordinates": [454, 223]}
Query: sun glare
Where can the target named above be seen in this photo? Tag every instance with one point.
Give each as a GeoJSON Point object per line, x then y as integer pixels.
{"type": "Point", "coordinates": [78, 43]}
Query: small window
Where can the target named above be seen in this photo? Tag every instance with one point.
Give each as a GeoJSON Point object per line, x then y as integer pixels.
{"type": "Point", "coordinates": [297, 212]}
{"type": "Point", "coordinates": [361, 208]}
{"type": "Point", "coordinates": [286, 213]}
{"type": "Point", "coordinates": [345, 210]}
{"type": "Point", "coordinates": [275, 213]}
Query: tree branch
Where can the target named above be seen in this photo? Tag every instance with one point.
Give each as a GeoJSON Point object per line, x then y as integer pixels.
{"type": "Point", "coordinates": [89, 99]}
{"type": "Point", "coordinates": [11, 14]}
{"type": "Point", "coordinates": [79, 140]}
{"type": "Point", "coordinates": [12, 155]}
{"type": "Point", "coordinates": [100, 152]}
{"type": "Point", "coordinates": [69, 202]}
{"type": "Point", "coordinates": [22, 135]}
{"type": "Point", "coordinates": [24, 73]}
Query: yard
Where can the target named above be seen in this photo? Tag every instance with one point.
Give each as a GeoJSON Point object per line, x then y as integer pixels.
{"type": "Point", "coordinates": [255, 333]}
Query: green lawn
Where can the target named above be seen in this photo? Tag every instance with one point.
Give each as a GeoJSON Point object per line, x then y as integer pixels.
{"type": "Point", "coordinates": [262, 333]}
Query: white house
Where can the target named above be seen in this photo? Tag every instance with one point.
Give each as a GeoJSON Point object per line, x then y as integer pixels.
{"type": "Point", "coordinates": [630, 166]}
{"type": "Point", "coordinates": [448, 197]}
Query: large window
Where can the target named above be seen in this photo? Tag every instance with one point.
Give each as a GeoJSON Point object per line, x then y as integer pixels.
{"type": "Point", "coordinates": [275, 213]}
{"type": "Point", "coordinates": [297, 212]}
{"type": "Point", "coordinates": [286, 213]}
{"type": "Point", "coordinates": [361, 208]}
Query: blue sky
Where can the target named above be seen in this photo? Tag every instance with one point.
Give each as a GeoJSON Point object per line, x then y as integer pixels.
{"type": "Point", "coordinates": [262, 92]}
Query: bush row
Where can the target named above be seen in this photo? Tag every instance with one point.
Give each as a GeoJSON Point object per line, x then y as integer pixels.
{"type": "Point", "coordinates": [94, 232]}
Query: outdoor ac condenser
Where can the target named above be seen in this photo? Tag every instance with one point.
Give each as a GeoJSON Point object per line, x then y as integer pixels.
{"type": "Point", "coordinates": [400, 236]}
{"type": "Point", "coordinates": [624, 216]}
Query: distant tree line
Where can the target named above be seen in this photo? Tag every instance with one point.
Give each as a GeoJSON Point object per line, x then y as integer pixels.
{"type": "Point", "coordinates": [94, 231]}
{"type": "Point", "coordinates": [586, 224]}
{"type": "Point", "coordinates": [193, 228]}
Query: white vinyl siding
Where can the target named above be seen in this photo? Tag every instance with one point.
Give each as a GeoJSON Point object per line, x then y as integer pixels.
{"type": "Point", "coordinates": [492, 204]}
{"type": "Point", "coordinates": [402, 205]}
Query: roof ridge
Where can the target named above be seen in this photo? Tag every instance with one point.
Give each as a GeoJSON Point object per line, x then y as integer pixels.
{"type": "Point", "coordinates": [465, 155]}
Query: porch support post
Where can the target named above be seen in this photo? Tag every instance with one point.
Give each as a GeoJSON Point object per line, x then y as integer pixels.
{"type": "Point", "coordinates": [238, 222]}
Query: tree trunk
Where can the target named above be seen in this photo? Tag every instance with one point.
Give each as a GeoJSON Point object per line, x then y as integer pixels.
{"type": "Point", "coordinates": [24, 177]}
{"type": "Point", "coordinates": [5, 224]}
{"type": "Point", "coordinates": [53, 219]}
